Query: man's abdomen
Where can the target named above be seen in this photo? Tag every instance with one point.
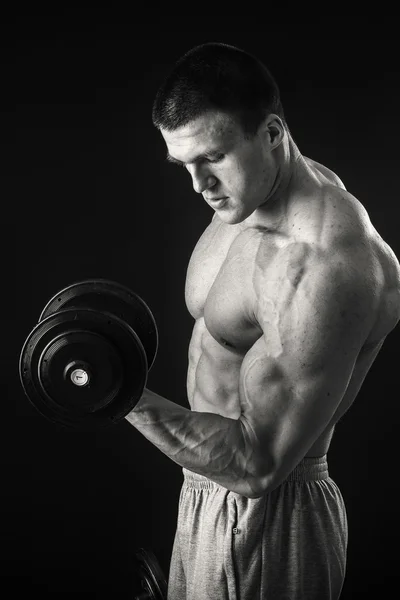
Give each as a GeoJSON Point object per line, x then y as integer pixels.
{"type": "Point", "coordinates": [213, 375]}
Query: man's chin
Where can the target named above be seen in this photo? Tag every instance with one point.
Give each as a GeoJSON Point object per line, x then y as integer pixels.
{"type": "Point", "coordinates": [231, 216]}
{"type": "Point", "coordinates": [230, 219]}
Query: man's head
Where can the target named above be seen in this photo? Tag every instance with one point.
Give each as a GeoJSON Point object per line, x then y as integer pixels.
{"type": "Point", "coordinates": [220, 114]}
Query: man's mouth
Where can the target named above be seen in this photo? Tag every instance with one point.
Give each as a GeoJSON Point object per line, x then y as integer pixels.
{"type": "Point", "coordinates": [217, 202]}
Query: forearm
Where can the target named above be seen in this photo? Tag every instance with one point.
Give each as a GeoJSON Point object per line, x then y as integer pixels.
{"type": "Point", "coordinates": [205, 443]}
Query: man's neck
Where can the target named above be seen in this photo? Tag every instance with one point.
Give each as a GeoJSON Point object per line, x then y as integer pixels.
{"type": "Point", "coordinates": [272, 213]}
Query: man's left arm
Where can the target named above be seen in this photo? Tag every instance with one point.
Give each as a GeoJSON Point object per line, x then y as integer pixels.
{"type": "Point", "coordinates": [288, 391]}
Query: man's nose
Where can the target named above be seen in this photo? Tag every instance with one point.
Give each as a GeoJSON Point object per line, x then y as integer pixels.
{"type": "Point", "coordinates": [202, 180]}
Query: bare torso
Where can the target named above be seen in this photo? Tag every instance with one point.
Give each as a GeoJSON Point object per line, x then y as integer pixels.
{"type": "Point", "coordinates": [220, 293]}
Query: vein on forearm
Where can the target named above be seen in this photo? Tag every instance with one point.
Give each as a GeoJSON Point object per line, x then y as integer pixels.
{"type": "Point", "coordinates": [206, 443]}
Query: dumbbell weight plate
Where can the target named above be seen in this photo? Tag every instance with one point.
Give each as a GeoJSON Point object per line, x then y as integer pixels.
{"type": "Point", "coordinates": [154, 584]}
{"type": "Point", "coordinates": [113, 297]}
{"type": "Point", "coordinates": [83, 368]}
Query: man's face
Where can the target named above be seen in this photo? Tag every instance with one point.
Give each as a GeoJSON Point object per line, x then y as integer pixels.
{"type": "Point", "coordinates": [234, 174]}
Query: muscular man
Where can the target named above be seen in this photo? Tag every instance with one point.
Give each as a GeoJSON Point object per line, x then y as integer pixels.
{"type": "Point", "coordinates": [293, 293]}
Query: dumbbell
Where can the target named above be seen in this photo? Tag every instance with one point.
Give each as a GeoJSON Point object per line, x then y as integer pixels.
{"type": "Point", "coordinates": [85, 364]}
{"type": "Point", "coordinates": [152, 580]}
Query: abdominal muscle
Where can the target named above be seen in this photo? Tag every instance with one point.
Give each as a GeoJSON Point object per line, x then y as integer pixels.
{"type": "Point", "coordinates": [213, 375]}
{"type": "Point", "coordinates": [213, 381]}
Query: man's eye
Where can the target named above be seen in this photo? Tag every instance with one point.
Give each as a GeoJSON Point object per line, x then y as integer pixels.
{"type": "Point", "coordinates": [216, 159]}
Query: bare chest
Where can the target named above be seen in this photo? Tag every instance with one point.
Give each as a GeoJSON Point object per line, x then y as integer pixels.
{"type": "Point", "coordinates": [221, 285]}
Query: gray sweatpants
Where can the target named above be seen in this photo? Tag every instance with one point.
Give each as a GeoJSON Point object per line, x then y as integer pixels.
{"type": "Point", "coordinates": [290, 544]}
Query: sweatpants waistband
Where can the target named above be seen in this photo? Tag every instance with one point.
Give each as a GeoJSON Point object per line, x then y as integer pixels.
{"type": "Point", "coordinates": [308, 469]}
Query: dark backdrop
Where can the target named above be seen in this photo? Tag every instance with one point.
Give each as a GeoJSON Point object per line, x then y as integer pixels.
{"type": "Point", "coordinates": [92, 196]}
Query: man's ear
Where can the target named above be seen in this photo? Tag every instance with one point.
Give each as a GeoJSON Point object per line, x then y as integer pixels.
{"type": "Point", "coordinates": [273, 131]}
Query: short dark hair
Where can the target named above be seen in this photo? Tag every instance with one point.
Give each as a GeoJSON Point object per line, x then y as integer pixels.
{"type": "Point", "coordinates": [217, 76]}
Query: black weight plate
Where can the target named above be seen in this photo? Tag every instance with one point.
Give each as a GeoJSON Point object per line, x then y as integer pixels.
{"type": "Point", "coordinates": [152, 577]}
{"type": "Point", "coordinates": [115, 358]}
{"type": "Point", "coordinates": [94, 356]}
{"type": "Point", "coordinates": [113, 297]}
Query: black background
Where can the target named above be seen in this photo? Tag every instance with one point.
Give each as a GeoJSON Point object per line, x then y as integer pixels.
{"type": "Point", "coordinates": [89, 194]}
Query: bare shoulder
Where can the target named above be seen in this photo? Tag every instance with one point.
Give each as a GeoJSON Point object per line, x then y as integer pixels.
{"type": "Point", "coordinates": [332, 247]}
{"type": "Point", "coordinates": [328, 215]}
{"type": "Point", "coordinates": [327, 173]}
